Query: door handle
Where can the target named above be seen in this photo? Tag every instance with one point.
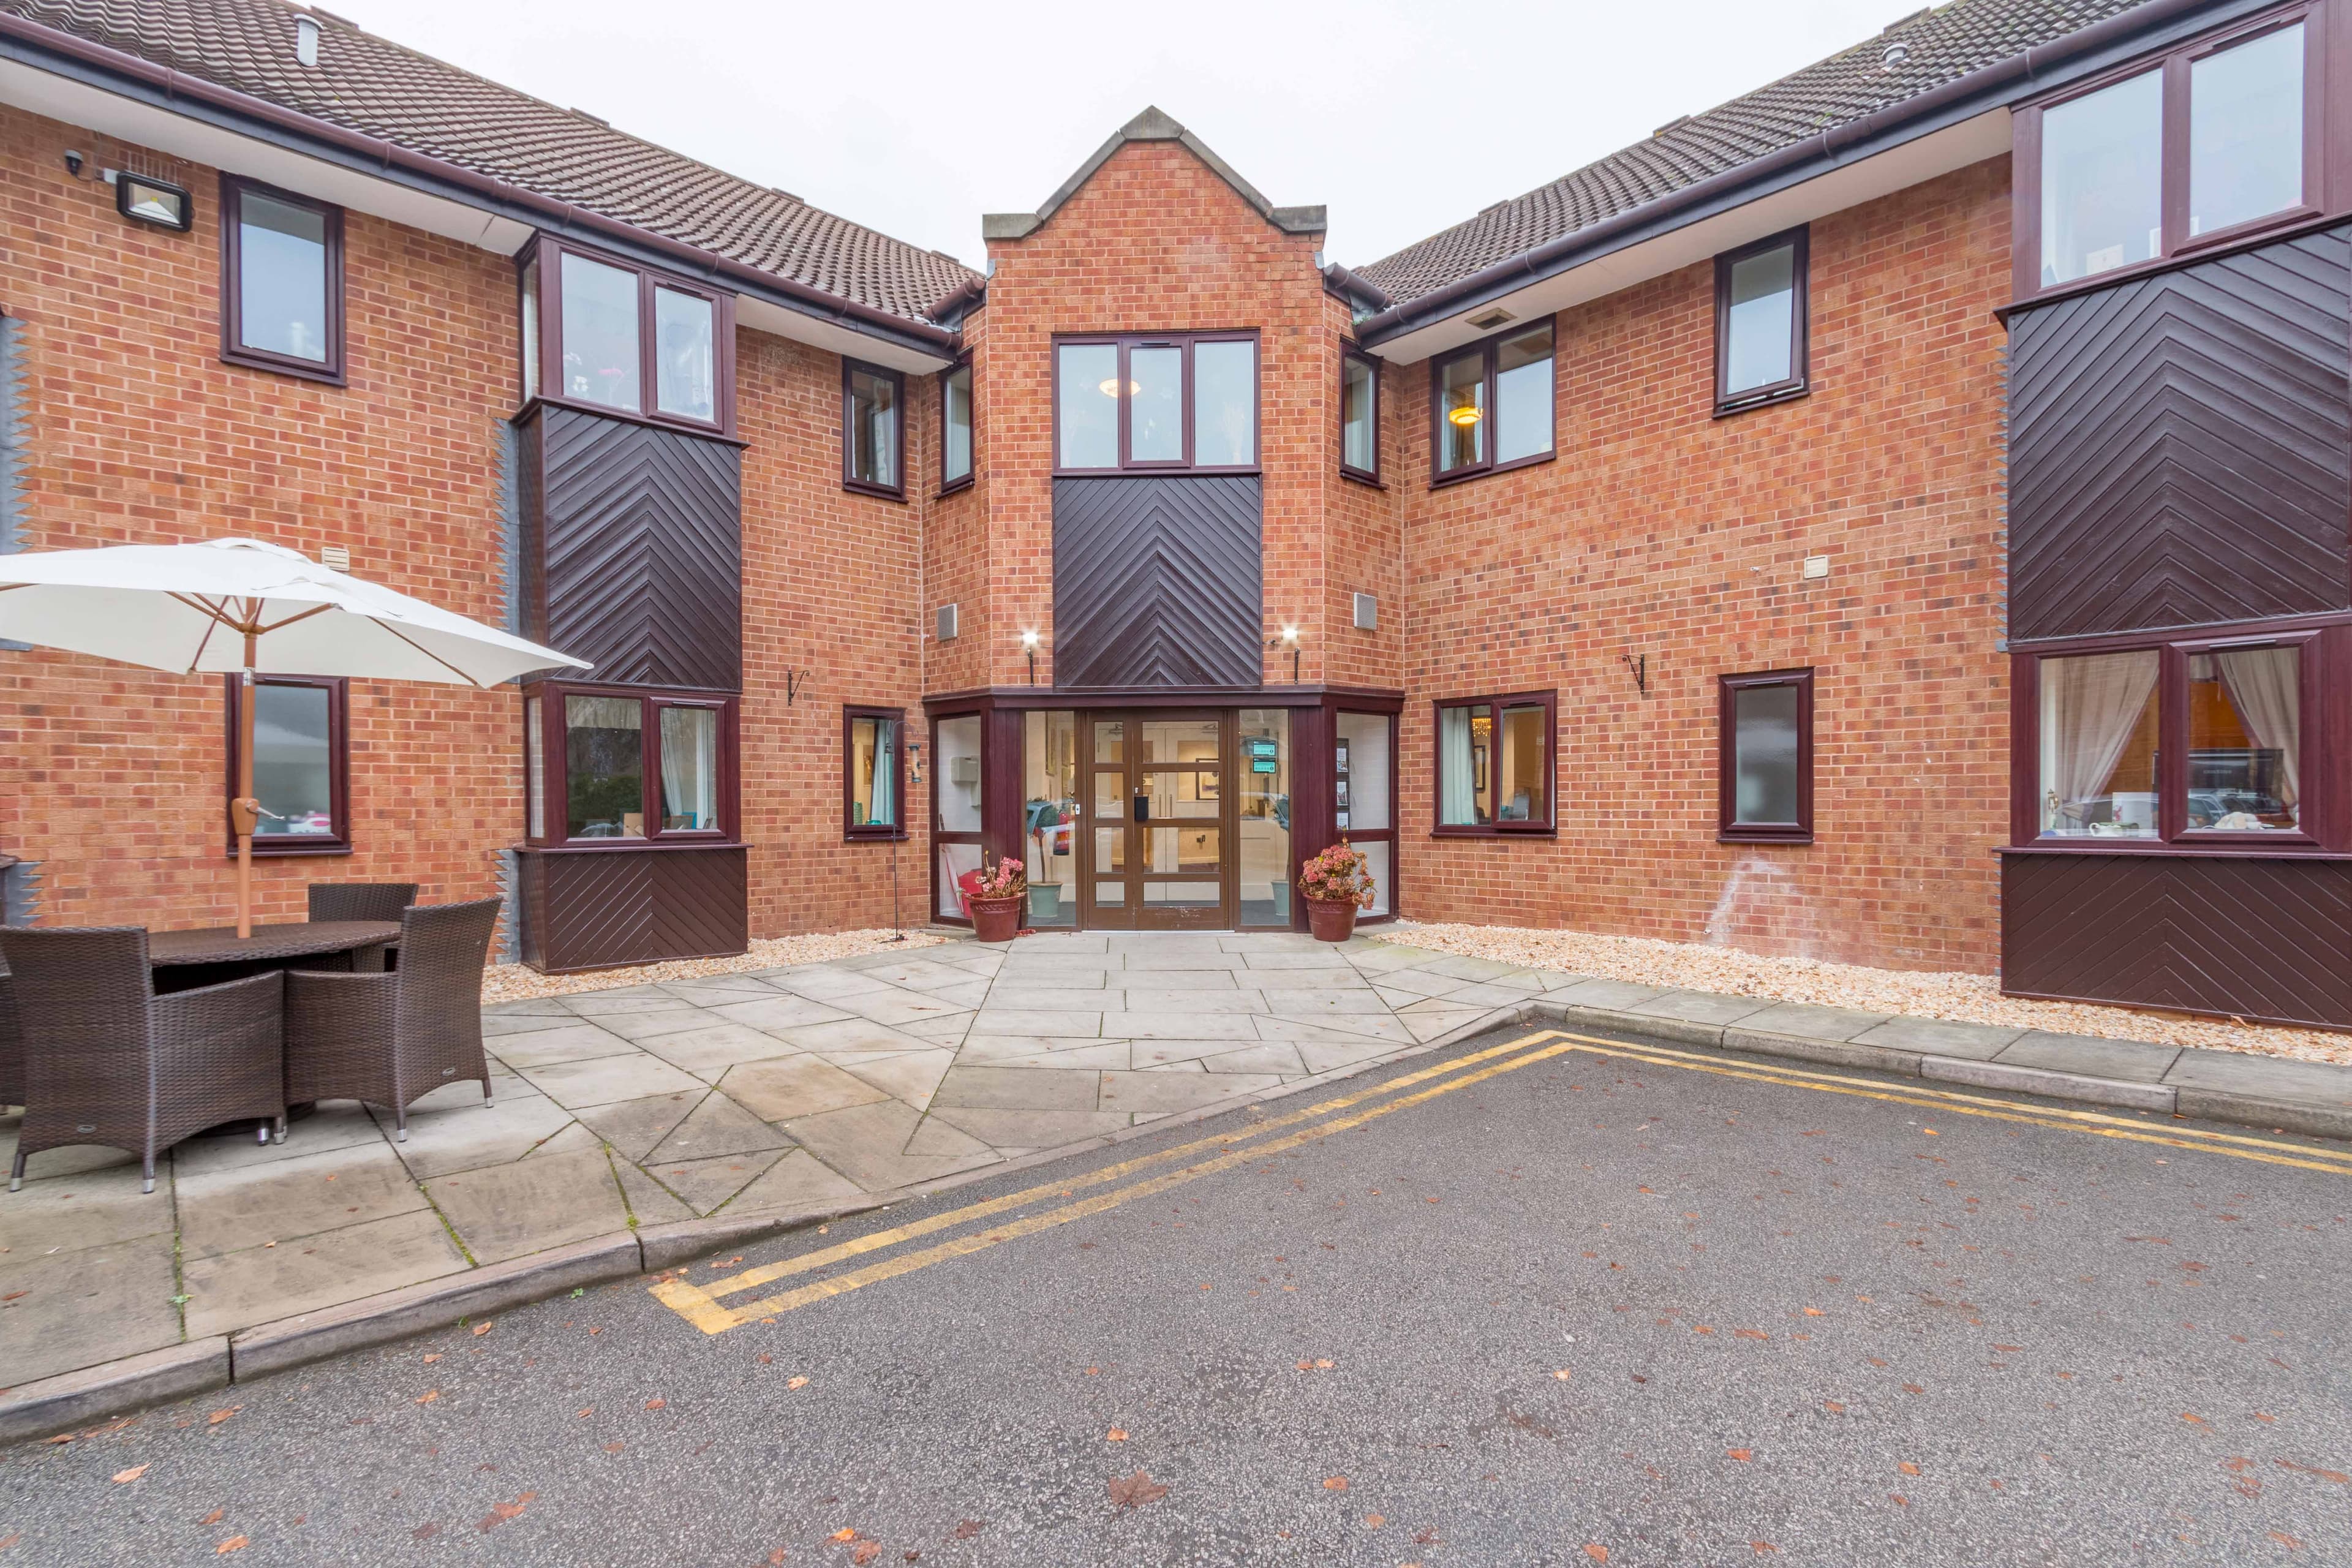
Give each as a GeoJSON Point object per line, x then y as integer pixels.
{"type": "Point", "coordinates": [1143, 808]}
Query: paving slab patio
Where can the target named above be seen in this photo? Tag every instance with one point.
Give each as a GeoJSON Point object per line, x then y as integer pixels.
{"type": "Point", "coordinates": [828, 1084]}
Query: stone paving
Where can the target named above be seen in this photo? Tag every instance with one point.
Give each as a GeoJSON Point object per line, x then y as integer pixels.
{"type": "Point", "coordinates": [649, 1105]}
{"type": "Point", "coordinates": [651, 1119]}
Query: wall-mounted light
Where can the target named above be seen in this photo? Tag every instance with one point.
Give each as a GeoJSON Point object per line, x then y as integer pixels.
{"type": "Point", "coordinates": [143, 199]}
{"type": "Point", "coordinates": [1289, 640]}
{"type": "Point", "coordinates": [1029, 647]}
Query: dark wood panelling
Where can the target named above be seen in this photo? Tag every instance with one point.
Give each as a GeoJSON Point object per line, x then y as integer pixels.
{"type": "Point", "coordinates": [2180, 446]}
{"type": "Point", "coordinates": [529, 589]}
{"type": "Point", "coordinates": [641, 558]}
{"type": "Point", "coordinates": [596, 908]}
{"type": "Point", "coordinates": [2261, 939]}
{"type": "Point", "coordinates": [1157, 582]}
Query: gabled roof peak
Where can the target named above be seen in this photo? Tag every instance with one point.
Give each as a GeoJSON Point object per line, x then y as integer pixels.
{"type": "Point", "coordinates": [1154, 124]}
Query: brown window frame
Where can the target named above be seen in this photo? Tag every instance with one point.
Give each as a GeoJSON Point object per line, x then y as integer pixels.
{"type": "Point", "coordinates": [339, 766]}
{"type": "Point", "coordinates": [1486, 347]}
{"type": "Point", "coordinates": [850, 480]}
{"type": "Point", "coordinates": [2325, 699]}
{"type": "Point", "coordinates": [1549, 826]}
{"type": "Point", "coordinates": [939, 836]}
{"type": "Point", "coordinates": [548, 252]}
{"type": "Point", "coordinates": [2325, 154]}
{"type": "Point", "coordinates": [1350, 354]}
{"type": "Point", "coordinates": [1126, 343]}
{"type": "Point", "coordinates": [852, 829]}
{"type": "Point", "coordinates": [333, 369]}
{"type": "Point", "coordinates": [1727, 779]}
{"type": "Point", "coordinates": [950, 486]}
{"type": "Point", "coordinates": [556, 787]}
{"type": "Point", "coordinates": [1799, 382]}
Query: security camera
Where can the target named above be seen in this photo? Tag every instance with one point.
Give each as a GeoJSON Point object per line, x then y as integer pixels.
{"type": "Point", "coordinates": [73, 165]}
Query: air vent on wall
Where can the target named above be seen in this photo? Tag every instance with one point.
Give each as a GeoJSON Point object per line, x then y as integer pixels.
{"type": "Point", "coordinates": [1491, 319]}
{"type": "Point", "coordinates": [947, 623]}
{"type": "Point", "coordinates": [1367, 613]}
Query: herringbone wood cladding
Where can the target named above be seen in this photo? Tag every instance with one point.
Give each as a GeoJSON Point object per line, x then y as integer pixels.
{"type": "Point", "coordinates": [1157, 582]}
{"type": "Point", "coordinates": [597, 909]}
{"type": "Point", "coordinates": [2269, 940]}
{"type": "Point", "coordinates": [2180, 447]}
{"type": "Point", "coordinates": [642, 551]}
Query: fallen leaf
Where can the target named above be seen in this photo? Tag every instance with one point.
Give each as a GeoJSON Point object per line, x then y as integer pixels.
{"type": "Point", "coordinates": [1306, 1367]}
{"type": "Point", "coordinates": [845, 1533]}
{"type": "Point", "coordinates": [1761, 1547]}
{"type": "Point", "coordinates": [1335, 1483]}
{"type": "Point", "coordinates": [1116, 1435]}
{"type": "Point", "coordinates": [966, 1530]}
{"type": "Point", "coordinates": [1374, 1520]}
{"type": "Point", "coordinates": [132, 1474]}
{"type": "Point", "coordinates": [218, 1416]}
{"type": "Point", "coordinates": [1593, 1549]}
{"type": "Point", "coordinates": [501, 1512]}
{"type": "Point", "coordinates": [796, 1382]}
{"type": "Point", "coordinates": [1324, 1364]}
{"type": "Point", "coordinates": [776, 1558]}
{"type": "Point", "coordinates": [1906, 1467]}
{"type": "Point", "coordinates": [1815, 1312]}
{"type": "Point", "coordinates": [2289, 1542]}
{"type": "Point", "coordinates": [215, 1517]}
{"type": "Point", "coordinates": [1563, 1373]}
{"type": "Point", "coordinates": [234, 1543]}
{"type": "Point", "coordinates": [766, 1359]}
{"type": "Point", "coordinates": [426, 1532]}
{"type": "Point", "coordinates": [656, 1404]}
{"type": "Point", "coordinates": [431, 1359]}
{"type": "Point", "coordinates": [1751, 1334]}
{"type": "Point", "coordinates": [2192, 1419]}
{"type": "Point", "coordinates": [864, 1552]}
{"type": "Point", "coordinates": [585, 1411]}
{"type": "Point", "coordinates": [614, 1448]}
{"type": "Point", "coordinates": [1135, 1491]}
{"type": "Point", "coordinates": [1833, 1407]}
{"type": "Point", "coordinates": [1742, 1454]}
{"type": "Point", "coordinates": [428, 1397]}
{"type": "Point", "coordinates": [481, 1329]}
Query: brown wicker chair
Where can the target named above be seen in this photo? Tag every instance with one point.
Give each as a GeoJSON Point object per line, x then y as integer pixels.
{"type": "Point", "coordinates": [391, 1039]}
{"type": "Point", "coordinates": [363, 901]}
{"type": "Point", "coordinates": [12, 1046]}
{"type": "Point", "coordinates": [108, 1061]}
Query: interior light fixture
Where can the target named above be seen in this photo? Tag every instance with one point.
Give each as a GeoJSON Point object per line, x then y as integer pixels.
{"type": "Point", "coordinates": [1466, 415]}
{"type": "Point", "coordinates": [1109, 389]}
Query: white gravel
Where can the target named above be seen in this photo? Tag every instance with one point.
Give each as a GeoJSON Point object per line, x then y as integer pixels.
{"type": "Point", "coordinates": [1963, 998]}
{"type": "Point", "coordinates": [517, 982]}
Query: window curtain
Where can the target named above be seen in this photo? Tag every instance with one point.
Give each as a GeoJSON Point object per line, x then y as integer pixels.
{"type": "Point", "coordinates": [689, 767]}
{"type": "Point", "coordinates": [2089, 708]}
{"type": "Point", "coordinates": [1454, 765]}
{"type": "Point", "coordinates": [881, 809]}
{"type": "Point", "coordinates": [2264, 684]}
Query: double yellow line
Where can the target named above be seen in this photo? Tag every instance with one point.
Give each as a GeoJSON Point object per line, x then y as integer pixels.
{"type": "Point", "coordinates": [705, 1306]}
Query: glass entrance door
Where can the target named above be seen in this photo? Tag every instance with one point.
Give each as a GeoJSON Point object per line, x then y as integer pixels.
{"type": "Point", "coordinates": [1159, 821]}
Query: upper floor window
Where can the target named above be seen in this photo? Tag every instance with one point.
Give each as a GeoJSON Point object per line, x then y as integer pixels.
{"type": "Point", "coordinates": [1493, 406]}
{"type": "Point", "coordinates": [282, 281]}
{"type": "Point", "coordinates": [1185, 401]}
{"type": "Point", "coordinates": [1759, 323]}
{"type": "Point", "coordinates": [1359, 415]}
{"type": "Point", "coordinates": [2218, 140]}
{"type": "Point", "coordinates": [603, 334]}
{"type": "Point", "coordinates": [872, 429]}
{"type": "Point", "coordinates": [955, 427]}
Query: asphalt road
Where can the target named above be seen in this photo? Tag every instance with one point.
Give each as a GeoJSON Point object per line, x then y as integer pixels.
{"type": "Point", "coordinates": [1581, 1308]}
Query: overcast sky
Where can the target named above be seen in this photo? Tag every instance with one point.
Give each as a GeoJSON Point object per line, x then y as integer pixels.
{"type": "Point", "coordinates": [915, 118]}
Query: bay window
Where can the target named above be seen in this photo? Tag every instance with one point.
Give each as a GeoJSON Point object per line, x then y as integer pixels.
{"type": "Point", "coordinates": [873, 430]}
{"type": "Point", "coordinates": [1492, 405]}
{"type": "Point", "coordinates": [2220, 139]}
{"type": "Point", "coordinates": [1760, 322]}
{"type": "Point", "coordinates": [1764, 738]}
{"type": "Point", "coordinates": [613, 765]}
{"type": "Point", "coordinates": [1182, 402]}
{"type": "Point", "coordinates": [282, 281]}
{"type": "Point", "coordinates": [1495, 764]}
{"type": "Point", "coordinates": [2173, 745]}
{"type": "Point", "coordinates": [873, 777]}
{"type": "Point", "coordinates": [601, 333]}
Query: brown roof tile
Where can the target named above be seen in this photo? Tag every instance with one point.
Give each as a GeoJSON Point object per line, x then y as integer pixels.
{"type": "Point", "coordinates": [372, 86]}
{"type": "Point", "coordinates": [1938, 46]}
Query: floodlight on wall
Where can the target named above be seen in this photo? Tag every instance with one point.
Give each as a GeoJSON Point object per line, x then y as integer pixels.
{"type": "Point", "coordinates": [144, 199]}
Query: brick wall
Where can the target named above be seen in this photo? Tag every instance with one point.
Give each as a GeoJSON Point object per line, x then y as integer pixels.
{"type": "Point", "coordinates": [1664, 531]}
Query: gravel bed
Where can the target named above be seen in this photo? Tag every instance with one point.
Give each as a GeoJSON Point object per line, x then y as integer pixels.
{"type": "Point", "coordinates": [1963, 998]}
{"type": "Point", "coordinates": [520, 982]}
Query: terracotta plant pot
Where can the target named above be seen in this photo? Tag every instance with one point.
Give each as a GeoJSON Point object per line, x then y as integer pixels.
{"type": "Point", "coordinates": [997, 920]}
{"type": "Point", "coordinates": [1331, 919]}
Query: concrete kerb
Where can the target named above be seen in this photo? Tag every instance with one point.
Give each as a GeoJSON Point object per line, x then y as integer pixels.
{"type": "Point", "coordinates": [74, 1399]}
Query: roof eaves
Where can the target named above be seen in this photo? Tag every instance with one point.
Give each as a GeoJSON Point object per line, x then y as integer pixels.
{"type": "Point", "coordinates": [1153, 125]}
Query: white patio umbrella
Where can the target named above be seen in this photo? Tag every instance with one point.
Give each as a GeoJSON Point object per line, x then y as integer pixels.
{"type": "Point", "coordinates": [240, 606]}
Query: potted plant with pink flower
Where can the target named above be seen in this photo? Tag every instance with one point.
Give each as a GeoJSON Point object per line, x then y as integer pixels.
{"type": "Point", "coordinates": [998, 898]}
{"type": "Point", "coordinates": [1336, 884]}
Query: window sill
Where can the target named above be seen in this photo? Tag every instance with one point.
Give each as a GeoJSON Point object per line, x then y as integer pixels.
{"type": "Point", "coordinates": [2202, 248]}
{"type": "Point", "coordinates": [1361, 477]}
{"type": "Point", "coordinates": [1755, 400]}
{"type": "Point", "coordinates": [628, 846]}
{"type": "Point", "coordinates": [1465, 476]}
{"type": "Point", "coordinates": [1159, 471]}
{"type": "Point", "coordinates": [1764, 836]}
{"type": "Point", "coordinates": [879, 492]}
{"type": "Point", "coordinates": [1533, 830]}
{"type": "Point", "coordinates": [262, 851]}
{"type": "Point", "coordinates": [957, 487]}
{"type": "Point", "coordinates": [299, 370]}
{"type": "Point", "coordinates": [2195, 850]}
{"type": "Point", "coordinates": [626, 417]}
{"type": "Point", "coordinates": [857, 835]}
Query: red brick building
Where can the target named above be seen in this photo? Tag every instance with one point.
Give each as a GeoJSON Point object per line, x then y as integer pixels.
{"type": "Point", "coordinates": [1899, 516]}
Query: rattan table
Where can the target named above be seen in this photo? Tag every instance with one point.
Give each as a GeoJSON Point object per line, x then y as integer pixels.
{"type": "Point", "coordinates": [183, 959]}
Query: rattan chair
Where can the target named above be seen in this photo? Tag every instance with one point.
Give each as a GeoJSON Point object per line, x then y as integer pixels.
{"type": "Point", "coordinates": [363, 901]}
{"type": "Point", "coordinates": [108, 1061]}
{"type": "Point", "coordinates": [391, 1039]}
{"type": "Point", "coordinates": [12, 1046]}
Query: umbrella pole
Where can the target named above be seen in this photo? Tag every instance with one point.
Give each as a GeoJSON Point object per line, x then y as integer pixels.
{"type": "Point", "coordinates": [244, 811]}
